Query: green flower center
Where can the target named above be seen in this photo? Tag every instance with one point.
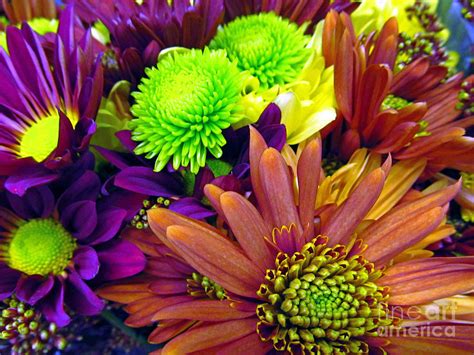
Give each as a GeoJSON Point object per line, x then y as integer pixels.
{"type": "Point", "coordinates": [271, 48]}
{"type": "Point", "coordinates": [321, 300]}
{"type": "Point", "coordinates": [394, 102]}
{"type": "Point", "coordinates": [202, 286]}
{"type": "Point", "coordinates": [41, 247]}
{"type": "Point", "coordinates": [140, 220]}
{"type": "Point", "coordinates": [40, 139]}
{"type": "Point", "coordinates": [331, 164]}
{"type": "Point", "coordinates": [183, 106]}
{"type": "Point", "coordinates": [466, 99]}
{"type": "Point", "coordinates": [422, 44]}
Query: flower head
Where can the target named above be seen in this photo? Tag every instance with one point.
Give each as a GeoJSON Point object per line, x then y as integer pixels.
{"type": "Point", "coordinates": [140, 31]}
{"type": "Point", "coordinates": [48, 121]}
{"type": "Point", "coordinates": [394, 112]}
{"type": "Point", "coordinates": [51, 245]}
{"type": "Point", "coordinates": [300, 12]}
{"type": "Point", "coordinates": [271, 48]}
{"type": "Point", "coordinates": [183, 106]}
{"type": "Point", "coordinates": [295, 279]}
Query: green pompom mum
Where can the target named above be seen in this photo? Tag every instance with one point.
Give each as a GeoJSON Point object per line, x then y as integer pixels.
{"type": "Point", "coordinates": [183, 106]}
{"type": "Point", "coordinates": [271, 48]}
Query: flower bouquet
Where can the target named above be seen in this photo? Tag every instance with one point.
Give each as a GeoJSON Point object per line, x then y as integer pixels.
{"type": "Point", "coordinates": [236, 177]}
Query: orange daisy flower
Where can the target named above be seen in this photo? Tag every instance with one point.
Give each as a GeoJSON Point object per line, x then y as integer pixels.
{"type": "Point", "coordinates": [412, 113]}
{"type": "Point", "coordinates": [296, 282]}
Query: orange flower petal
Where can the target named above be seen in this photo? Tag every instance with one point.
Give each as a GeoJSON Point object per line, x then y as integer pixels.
{"type": "Point", "coordinates": [403, 235]}
{"type": "Point", "coordinates": [168, 329]}
{"type": "Point", "coordinates": [309, 167]}
{"type": "Point", "coordinates": [249, 228]}
{"type": "Point", "coordinates": [425, 280]}
{"type": "Point", "coordinates": [278, 189]}
{"type": "Point", "coordinates": [217, 258]}
{"type": "Point", "coordinates": [202, 310]}
{"type": "Point", "coordinates": [348, 216]}
{"type": "Point", "coordinates": [208, 336]}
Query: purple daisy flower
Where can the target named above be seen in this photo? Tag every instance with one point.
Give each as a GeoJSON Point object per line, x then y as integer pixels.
{"type": "Point", "coordinates": [48, 103]}
{"type": "Point", "coordinates": [139, 32]}
{"type": "Point", "coordinates": [54, 245]}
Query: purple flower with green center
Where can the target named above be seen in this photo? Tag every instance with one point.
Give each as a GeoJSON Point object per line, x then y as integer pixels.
{"type": "Point", "coordinates": [53, 246]}
{"type": "Point", "coordinates": [48, 103]}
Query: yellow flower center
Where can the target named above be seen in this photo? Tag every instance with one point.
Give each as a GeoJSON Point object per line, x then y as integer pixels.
{"type": "Point", "coordinates": [40, 139]}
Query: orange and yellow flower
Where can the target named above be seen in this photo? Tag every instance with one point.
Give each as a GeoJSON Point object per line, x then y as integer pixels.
{"type": "Point", "coordinates": [297, 279]}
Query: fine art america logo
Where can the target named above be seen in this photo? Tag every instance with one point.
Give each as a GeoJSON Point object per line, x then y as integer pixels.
{"type": "Point", "coordinates": [433, 320]}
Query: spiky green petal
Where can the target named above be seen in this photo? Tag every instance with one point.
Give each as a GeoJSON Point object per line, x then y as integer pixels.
{"type": "Point", "coordinates": [271, 48]}
{"type": "Point", "coordinates": [183, 105]}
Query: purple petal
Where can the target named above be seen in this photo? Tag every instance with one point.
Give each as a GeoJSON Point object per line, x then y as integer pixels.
{"type": "Point", "coordinates": [34, 288]}
{"type": "Point", "coordinates": [115, 158]}
{"type": "Point", "coordinates": [145, 181]}
{"type": "Point", "coordinates": [108, 225]}
{"type": "Point", "coordinates": [275, 136]}
{"type": "Point", "coordinates": [120, 259]}
{"type": "Point", "coordinates": [131, 202]}
{"type": "Point", "coordinates": [81, 298]}
{"type": "Point", "coordinates": [36, 202]}
{"type": "Point", "coordinates": [125, 137]}
{"type": "Point", "coordinates": [204, 177]}
{"type": "Point", "coordinates": [86, 262]}
{"type": "Point", "coordinates": [80, 218]}
{"type": "Point", "coordinates": [8, 281]}
{"type": "Point", "coordinates": [270, 116]}
{"type": "Point", "coordinates": [191, 207]}
{"type": "Point", "coordinates": [53, 306]}
{"type": "Point", "coordinates": [85, 129]}
{"type": "Point", "coordinates": [228, 183]}
{"type": "Point", "coordinates": [241, 170]}
{"type": "Point", "coordinates": [62, 153]}
{"type": "Point", "coordinates": [87, 187]}
{"type": "Point", "coordinates": [19, 183]}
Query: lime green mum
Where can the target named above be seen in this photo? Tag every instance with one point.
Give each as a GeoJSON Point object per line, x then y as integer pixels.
{"type": "Point", "coordinates": [183, 105]}
{"type": "Point", "coordinates": [41, 247]}
{"type": "Point", "coordinates": [271, 48]}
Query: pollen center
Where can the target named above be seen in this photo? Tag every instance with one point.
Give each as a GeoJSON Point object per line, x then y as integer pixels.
{"type": "Point", "coordinates": [321, 301]}
{"type": "Point", "coordinates": [41, 247]}
{"type": "Point", "coordinates": [40, 139]}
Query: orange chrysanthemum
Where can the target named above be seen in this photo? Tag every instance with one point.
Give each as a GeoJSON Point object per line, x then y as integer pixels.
{"type": "Point", "coordinates": [412, 113]}
{"type": "Point", "coordinates": [277, 276]}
